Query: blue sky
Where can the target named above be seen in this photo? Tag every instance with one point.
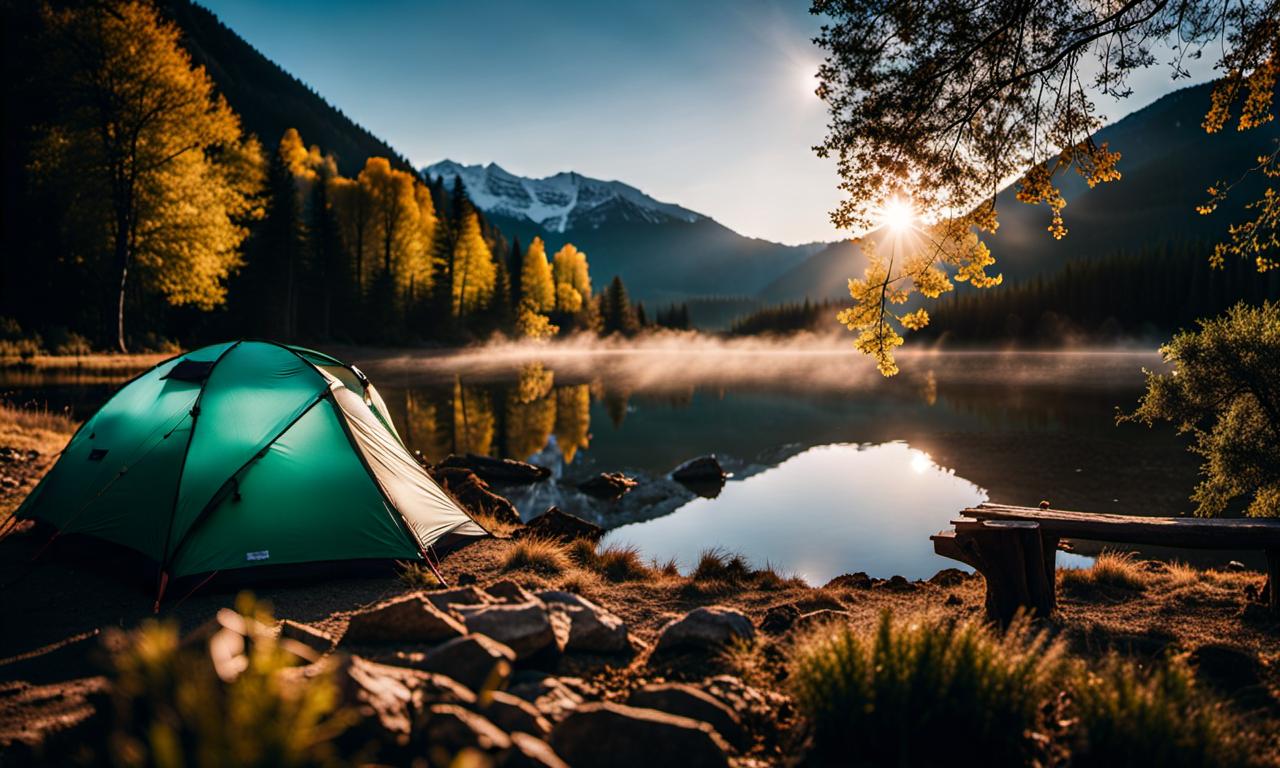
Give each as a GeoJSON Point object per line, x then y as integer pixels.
{"type": "Point", "coordinates": [704, 103]}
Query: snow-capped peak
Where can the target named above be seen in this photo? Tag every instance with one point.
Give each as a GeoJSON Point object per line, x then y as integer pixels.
{"type": "Point", "coordinates": [558, 203]}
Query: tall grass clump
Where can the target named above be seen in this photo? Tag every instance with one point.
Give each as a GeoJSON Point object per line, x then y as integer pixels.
{"type": "Point", "coordinates": [615, 562]}
{"type": "Point", "coordinates": [542, 556]}
{"type": "Point", "coordinates": [1126, 716]}
{"type": "Point", "coordinates": [221, 702]}
{"type": "Point", "coordinates": [913, 691]}
{"type": "Point", "coordinates": [721, 572]}
{"type": "Point", "coordinates": [1111, 571]}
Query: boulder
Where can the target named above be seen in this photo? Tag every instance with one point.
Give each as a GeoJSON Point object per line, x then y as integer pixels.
{"type": "Point", "coordinates": [859, 580]}
{"type": "Point", "coordinates": [948, 577]}
{"type": "Point", "coordinates": [454, 728]}
{"type": "Point", "coordinates": [529, 752]}
{"type": "Point", "coordinates": [687, 701]}
{"type": "Point", "coordinates": [552, 697]}
{"type": "Point", "coordinates": [554, 524]}
{"type": "Point", "coordinates": [477, 661]}
{"type": "Point", "coordinates": [704, 469]}
{"type": "Point", "coordinates": [474, 494]}
{"type": "Point", "coordinates": [592, 629]}
{"type": "Point", "coordinates": [307, 635]}
{"type": "Point", "coordinates": [497, 471]}
{"type": "Point", "coordinates": [507, 591]}
{"type": "Point", "coordinates": [705, 629]}
{"type": "Point", "coordinates": [408, 619]}
{"type": "Point", "coordinates": [779, 618]}
{"type": "Point", "coordinates": [524, 627]}
{"type": "Point", "coordinates": [626, 737]}
{"type": "Point", "coordinates": [512, 713]}
{"type": "Point", "coordinates": [898, 584]}
{"type": "Point", "coordinates": [1229, 668]}
{"type": "Point", "coordinates": [445, 599]}
{"type": "Point", "coordinates": [387, 699]}
{"type": "Point", "coordinates": [608, 485]}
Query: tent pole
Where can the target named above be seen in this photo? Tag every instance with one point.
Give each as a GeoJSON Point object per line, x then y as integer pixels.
{"type": "Point", "coordinates": [434, 570]}
{"type": "Point", "coordinates": [164, 582]}
{"type": "Point", "coordinates": [183, 599]}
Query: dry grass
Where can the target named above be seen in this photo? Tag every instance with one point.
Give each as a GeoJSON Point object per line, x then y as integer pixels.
{"type": "Point", "coordinates": [1112, 573]}
{"type": "Point", "coordinates": [722, 573]}
{"type": "Point", "coordinates": [30, 428]}
{"type": "Point", "coordinates": [536, 555]}
{"type": "Point", "coordinates": [98, 362]}
{"type": "Point", "coordinates": [497, 526]}
{"type": "Point", "coordinates": [615, 562]}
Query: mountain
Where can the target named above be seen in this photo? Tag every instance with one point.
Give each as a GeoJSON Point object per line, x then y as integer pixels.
{"type": "Point", "coordinates": [1167, 162]}
{"type": "Point", "coordinates": [268, 99]}
{"type": "Point", "coordinates": [662, 251]}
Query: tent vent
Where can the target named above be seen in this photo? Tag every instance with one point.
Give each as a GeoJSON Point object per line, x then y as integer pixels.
{"type": "Point", "coordinates": [190, 370]}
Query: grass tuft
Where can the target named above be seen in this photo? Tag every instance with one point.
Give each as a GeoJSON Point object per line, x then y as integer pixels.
{"type": "Point", "coordinates": [537, 555]}
{"type": "Point", "coordinates": [722, 573]}
{"type": "Point", "coordinates": [615, 562]}
{"type": "Point", "coordinates": [1127, 715]}
{"type": "Point", "coordinates": [910, 691]}
{"type": "Point", "coordinates": [1111, 572]}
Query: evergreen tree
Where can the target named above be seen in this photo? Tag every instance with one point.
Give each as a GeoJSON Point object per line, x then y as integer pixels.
{"type": "Point", "coordinates": [616, 315]}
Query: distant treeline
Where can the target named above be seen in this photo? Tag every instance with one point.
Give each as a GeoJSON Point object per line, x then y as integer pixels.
{"type": "Point", "coordinates": [787, 318]}
{"type": "Point", "coordinates": [1147, 294]}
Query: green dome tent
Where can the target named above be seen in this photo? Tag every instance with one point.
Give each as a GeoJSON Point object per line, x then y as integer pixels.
{"type": "Point", "coordinates": [247, 454]}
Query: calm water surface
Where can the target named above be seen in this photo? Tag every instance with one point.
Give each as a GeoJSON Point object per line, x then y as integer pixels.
{"type": "Point", "coordinates": [834, 469]}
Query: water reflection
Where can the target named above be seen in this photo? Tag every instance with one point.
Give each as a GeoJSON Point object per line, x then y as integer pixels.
{"type": "Point", "coordinates": [787, 423]}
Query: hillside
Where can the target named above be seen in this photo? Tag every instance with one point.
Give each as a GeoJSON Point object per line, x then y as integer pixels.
{"type": "Point", "coordinates": [663, 252]}
{"type": "Point", "coordinates": [269, 99]}
{"type": "Point", "coordinates": [1167, 163]}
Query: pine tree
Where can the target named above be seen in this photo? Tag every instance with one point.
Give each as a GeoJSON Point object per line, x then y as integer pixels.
{"type": "Point", "coordinates": [616, 315]}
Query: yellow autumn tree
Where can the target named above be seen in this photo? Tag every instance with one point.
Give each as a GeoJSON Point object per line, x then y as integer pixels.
{"type": "Point", "coordinates": [537, 287]}
{"type": "Point", "coordinates": [353, 210]}
{"type": "Point", "coordinates": [163, 178]}
{"type": "Point", "coordinates": [473, 419]}
{"type": "Point", "coordinates": [473, 268]}
{"type": "Point", "coordinates": [401, 225]}
{"type": "Point", "coordinates": [530, 411]}
{"type": "Point", "coordinates": [572, 280]}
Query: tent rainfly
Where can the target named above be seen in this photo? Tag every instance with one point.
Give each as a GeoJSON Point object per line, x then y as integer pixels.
{"type": "Point", "coordinates": [246, 454]}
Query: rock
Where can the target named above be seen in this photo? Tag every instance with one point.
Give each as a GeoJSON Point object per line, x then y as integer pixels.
{"type": "Point", "coordinates": [1235, 566]}
{"type": "Point", "coordinates": [779, 618]}
{"type": "Point", "coordinates": [898, 584]}
{"type": "Point", "coordinates": [549, 695]}
{"type": "Point", "coordinates": [948, 577]}
{"type": "Point", "coordinates": [507, 591]}
{"type": "Point", "coordinates": [529, 752]}
{"type": "Point", "coordinates": [497, 471]}
{"type": "Point", "coordinates": [748, 703]}
{"type": "Point", "coordinates": [307, 635]}
{"type": "Point", "coordinates": [513, 714]}
{"type": "Point", "coordinates": [608, 485]}
{"type": "Point", "coordinates": [1228, 668]}
{"type": "Point", "coordinates": [477, 661]}
{"type": "Point", "coordinates": [952, 601]}
{"type": "Point", "coordinates": [626, 737]}
{"type": "Point", "coordinates": [687, 701]}
{"type": "Point", "coordinates": [524, 627]}
{"type": "Point", "coordinates": [455, 728]}
{"type": "Point", "coordinates": [474, 494]}
{"type": "Point", "coordinates": [465, 579]}
{"type": "Point", "coordinates": [592, 629]}
{"type": "Point", "coordinates": [704, 469]}
{"type": "Point", "coordinates": [706, 628]}
{"type": "Point", "coordinates": [446, 599]}
{"type": "Point", "coordinates": [824, 616]}
{"type": "Point", "coordinates": [554, 524]}
{"type": "Point", "coordinates": [409, 619]}
{"type": "Point", "coordinates": [387, 699]}
{"type": "Point", "coordinates": [859, 580]}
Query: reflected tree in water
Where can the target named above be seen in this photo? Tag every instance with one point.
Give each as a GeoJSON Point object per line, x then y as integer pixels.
{"type": "Point", "coordinates": [573, 419]}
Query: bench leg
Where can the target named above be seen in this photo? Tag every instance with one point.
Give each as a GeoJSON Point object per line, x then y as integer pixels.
{"type": "Point", "coordinates": [1272, 587]}
{"type": "Point", "coordinates": [1014, 565]}
{"type": "Point", "coordinates": [1049, 546]}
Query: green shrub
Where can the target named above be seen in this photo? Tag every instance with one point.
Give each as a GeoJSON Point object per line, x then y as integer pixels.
{"type": "Point", "coordinates": [222, 702]}
{"type": "Point", "coordinates": [1127, 716]}
{"type": "Point", "coordinates": [913, 692]}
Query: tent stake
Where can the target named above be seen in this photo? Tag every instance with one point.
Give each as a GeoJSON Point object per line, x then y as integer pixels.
{"type": "Point", "coordinates": [432, 566]}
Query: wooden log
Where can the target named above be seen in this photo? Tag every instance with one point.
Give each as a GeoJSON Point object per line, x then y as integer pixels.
{"type": "Point", "coordinates": [1186, 532]}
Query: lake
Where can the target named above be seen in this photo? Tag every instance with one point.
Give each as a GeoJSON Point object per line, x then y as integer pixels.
{"type": "Point", "coordinates": [833, 468]}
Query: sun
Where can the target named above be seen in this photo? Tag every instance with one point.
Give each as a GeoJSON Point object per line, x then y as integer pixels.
{"type": "Point", "coordinates": [898, 215]}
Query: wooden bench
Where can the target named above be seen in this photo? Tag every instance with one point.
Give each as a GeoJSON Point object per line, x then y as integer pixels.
{"type": "Point", "coordinates": [1014, 547]}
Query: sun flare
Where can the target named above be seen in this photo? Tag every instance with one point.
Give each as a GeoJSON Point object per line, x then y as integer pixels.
{"type": "Point", "coordinates": [898, 215]}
